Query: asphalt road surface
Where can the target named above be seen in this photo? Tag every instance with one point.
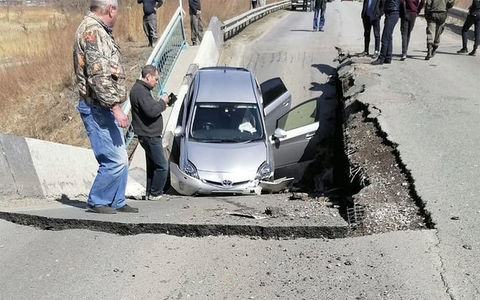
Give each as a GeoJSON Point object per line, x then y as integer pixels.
{"type": "Point", "coordinates": [437, 133]}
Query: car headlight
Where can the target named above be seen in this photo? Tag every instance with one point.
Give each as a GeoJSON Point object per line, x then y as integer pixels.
{"type": "Point", "coordinates": [190, 169]}
{"type": "Point", "coordinates": [264, 171]}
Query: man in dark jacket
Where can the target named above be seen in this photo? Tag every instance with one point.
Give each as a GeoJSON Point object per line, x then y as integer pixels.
{"type": "Point", "coordinates": [473, 17]}
{"type": "Point", "coordinates": [407, 21]}
{"type": "Point", "coordinates": [319, 8]}
{"type": "Point", "coordinates": [371, 13]}
{"type": "Point", "coordinates": [196, 25]}
{"type": "Point", "coordinates": [150, 19]}
{"type": "Point", "coordinates": [147, 124]}
{"type": "Point", "coordinates": [436, 15]}
{"type": "Point", "coordinates": [392, 14]}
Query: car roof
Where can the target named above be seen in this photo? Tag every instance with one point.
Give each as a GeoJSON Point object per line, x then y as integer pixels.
{"type": "Point", "coordinates": [225, 84]}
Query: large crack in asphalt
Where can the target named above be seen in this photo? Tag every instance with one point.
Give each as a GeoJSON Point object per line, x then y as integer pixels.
{"type": "Point", "coordinates": [350, 90]}
{"type": "Point", "coordinates": [181, 230]}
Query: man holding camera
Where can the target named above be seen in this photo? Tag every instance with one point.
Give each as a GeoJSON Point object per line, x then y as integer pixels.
{"type": "Point", "coordinates": [147, 124]}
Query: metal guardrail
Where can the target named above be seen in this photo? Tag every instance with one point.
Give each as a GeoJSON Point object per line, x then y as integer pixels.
{"type": "Point", "coordinates": [234, 25]}
{"type": "Point", "coordinates": [164, 55]}
{"type": "Point", "coordinates": [459, 13]}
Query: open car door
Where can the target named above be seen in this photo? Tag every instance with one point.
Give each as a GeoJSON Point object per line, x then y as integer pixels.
{"type": "Point", "coordinates": [295, 140]}
{"type": "Point", "coordinates": [276, 102]}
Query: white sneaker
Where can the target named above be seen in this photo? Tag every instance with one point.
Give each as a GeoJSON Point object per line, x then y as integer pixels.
{"type": "Point", "coordinates": [155, 198]}
{"type": "Point", "coordinates": [375, 54]}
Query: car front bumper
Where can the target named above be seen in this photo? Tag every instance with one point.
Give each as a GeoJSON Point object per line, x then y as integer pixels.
{"type": "Point", "coordinates": [188, 185]}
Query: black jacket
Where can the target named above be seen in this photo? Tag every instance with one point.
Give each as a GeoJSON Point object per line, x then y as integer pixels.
{"type": "Point", "coordinates": [194, 6]}
{"type": "Point", "coordinates": [320, 4]}
{"type": "Point", "coordinates": [146, 112]}
{"type": "Point", "coordinates": [149, 6]}
{"type": "Point", "coordinates": [377, 10]}
{"type": "Point", "coordinates": [394, 5]}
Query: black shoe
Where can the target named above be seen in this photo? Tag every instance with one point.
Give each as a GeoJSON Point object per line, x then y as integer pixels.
{"type": "Point", "coordinates": [429, 52]}
{"type": "Point", "coordinates": [102, 209]}
{"type": "Point", "coordinates": [127, 209]}
{"type": "Point", "coordinates": [404, 57]}
{"type": "Point", "coordinates": [434, 50]}
{"type": "Point", "coordinates": [387, 61]}
{"type": "Point", "coordinates": [377, 62]}
{"type": "Point", "coordinates": [473, 53]}
{"type": "Point", "coordinates": [462, 51]}
{"type": "Point", "coordinates": [364, 53]}
{"type": "Point", "coordinates": [321, 29]}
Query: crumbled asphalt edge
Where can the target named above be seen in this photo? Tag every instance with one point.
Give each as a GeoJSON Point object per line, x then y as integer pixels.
{"type": "Point", "coordinates": [181, 230]}
{"type": "Point", "coordinates": [348, 92]}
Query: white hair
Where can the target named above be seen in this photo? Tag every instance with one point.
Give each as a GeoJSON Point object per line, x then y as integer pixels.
{"type": "Point", "coordinates": [102, 4]}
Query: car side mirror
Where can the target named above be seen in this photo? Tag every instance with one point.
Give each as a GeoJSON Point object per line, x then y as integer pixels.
{"type": "Point", "coordinates": [279, 133]}
{"type": "Point", "coordinates": [178, 131]}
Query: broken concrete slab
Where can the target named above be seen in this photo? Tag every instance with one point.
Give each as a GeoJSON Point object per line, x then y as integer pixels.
{"type": "Point", "coordinates": [192, 216]}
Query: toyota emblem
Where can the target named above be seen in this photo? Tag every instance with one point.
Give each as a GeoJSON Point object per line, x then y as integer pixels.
{"type": "Point", "coordinates": [227, 183]}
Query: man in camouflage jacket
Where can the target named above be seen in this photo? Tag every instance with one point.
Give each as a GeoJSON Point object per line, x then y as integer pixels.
{"type": "Point", "coordinates": [100, 79]}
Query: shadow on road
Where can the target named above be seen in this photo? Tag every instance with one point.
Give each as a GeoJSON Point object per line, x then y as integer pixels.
{"type": "Point", "coordinates": [64, 199]}
{"type": "Point", "coordinates": [303, 30]}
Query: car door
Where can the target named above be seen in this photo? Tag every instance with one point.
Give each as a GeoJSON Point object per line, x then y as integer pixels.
{"type": "Point", "coordinates": [294, 150]}
{"type": "Point", "coordinates": [276, 102]}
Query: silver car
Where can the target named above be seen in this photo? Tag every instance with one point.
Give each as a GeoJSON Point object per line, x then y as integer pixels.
{"type": "Point", "coordinates": [226, 135]}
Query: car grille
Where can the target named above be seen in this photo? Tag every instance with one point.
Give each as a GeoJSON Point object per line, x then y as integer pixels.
{"type": "Point", "coordinates": [234, 184]}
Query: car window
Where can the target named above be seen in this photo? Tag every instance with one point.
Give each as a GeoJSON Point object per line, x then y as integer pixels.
{"type": "Point", "coordinates": [301, 115]}
{"type": "Point", "coordinates": [271, 90]}
{"type": "Point", "coordinates": [226, 122]}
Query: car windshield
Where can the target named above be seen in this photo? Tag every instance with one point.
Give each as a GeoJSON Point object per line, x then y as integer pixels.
{"type": "Point", "coordinates": [226, 122]}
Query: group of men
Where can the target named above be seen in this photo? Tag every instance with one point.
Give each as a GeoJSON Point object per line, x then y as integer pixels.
{"type": "Point", "coordinates": [100, 78]}
{"type": "Point", "coordinates": [150, 20]}
{"type": "Point", "coordinates": [407, 11]}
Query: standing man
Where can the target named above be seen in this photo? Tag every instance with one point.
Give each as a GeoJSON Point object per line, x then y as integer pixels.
{"type": "Point", "coordinates": [392, 14]}
{"type": "Point", "coordinates": [148, 126]}
{"type": "Point", "coordinates": [436, 15]}
{"type": "Point", "coordinates": [473, 17]}
{"type": "Point", "coordinates": [407, 21]}
{"type": "Point", "coordinates": [371, 13]}
{"type": "Point", "coordinates": [100, 79]}
{"type": "Point", "coordinates": [320, 5]}
{"type": "Point", "coordinates": [196, 26]}
{"type": "Point", "coordinates": [150, 19]}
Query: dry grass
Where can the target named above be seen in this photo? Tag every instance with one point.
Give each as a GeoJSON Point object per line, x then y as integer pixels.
{"type": "Point", "coordinates": [36, 77]}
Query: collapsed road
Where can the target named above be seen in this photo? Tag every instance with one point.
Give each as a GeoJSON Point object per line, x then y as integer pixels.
{"type": "Point", "coordinates": [380, 264]}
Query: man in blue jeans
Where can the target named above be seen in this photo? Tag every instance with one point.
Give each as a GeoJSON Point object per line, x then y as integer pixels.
{"type": "Point", "coordinates": [319, 9]}
{"type": "Point", "coordinates": [392, 10]}
{"type": "Point", "coordinates": [100, 79]}
{"type": "Point", "coordinates": [147, 124]}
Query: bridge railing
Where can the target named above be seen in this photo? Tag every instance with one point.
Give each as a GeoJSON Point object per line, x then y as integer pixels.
{"type": "Point", "coordinates": [164, 55]}
{"type": "Point", "coordinates": [234, 25]}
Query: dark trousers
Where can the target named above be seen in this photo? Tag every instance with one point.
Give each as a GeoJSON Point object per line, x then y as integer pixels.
{"type": "Point", "coordinates": [254, 4]}
{"type": "Point", "coordinates": [150, 28]}
{"type": "Point", "coordinates": [471, 20]}
{"type": "Point", "coordinates": [406, 26]}
{"type": "Point", "coordinates": [435, 26]}
{"type": "Point", "coordinates": [157, 165]}
{"type": "Point", "coordinates": [367, 29]}
{"type": "Point", "coordinates": [196, 28]}
{"type": "Point", "coordinates": [391, 20]}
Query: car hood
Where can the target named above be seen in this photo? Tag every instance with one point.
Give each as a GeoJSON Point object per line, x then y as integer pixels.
{"type": "Point", "coordinates": [232, 161]}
